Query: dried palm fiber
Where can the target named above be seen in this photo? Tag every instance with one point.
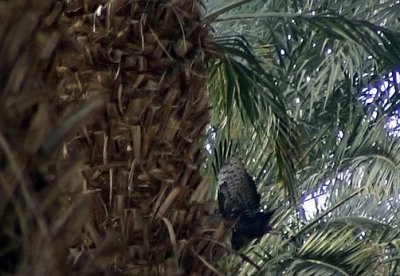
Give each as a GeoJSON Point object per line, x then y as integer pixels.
{"type": "Point", "coordinates": [38, 221]}
{"type": "Point", "coordinates": [140, 161]}
{"type": "Point", "coordinates": [143, 158]}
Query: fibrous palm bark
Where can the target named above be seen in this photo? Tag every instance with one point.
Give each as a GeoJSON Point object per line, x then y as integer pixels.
{"type": "Point", "coordinates": [35, 222]}
{"type": "Point", "coordinates": [105, 108]}
{"type": "Point", "coordinates": [144, 155]}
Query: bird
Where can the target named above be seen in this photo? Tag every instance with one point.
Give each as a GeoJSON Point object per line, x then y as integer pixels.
{"type": "Point", "coordinates": [239, 201]}
{"type": "Point", "coordinates": [237, 191]}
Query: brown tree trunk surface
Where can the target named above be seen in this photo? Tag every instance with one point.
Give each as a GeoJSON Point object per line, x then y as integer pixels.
{"type": "Point", "coordinates": [106, 108]}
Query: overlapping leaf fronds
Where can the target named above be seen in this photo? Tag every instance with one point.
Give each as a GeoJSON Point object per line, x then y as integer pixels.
{"type": "Point", "coordinates": [319, 89]}
{"type": "Point", "coordinates": [244, 90]}
{"type": "Point", "coordinates": [365, 155]}
{"type": "Point", "coordinates": [326, 60]}
{"type": "Point", "coordinates": [336, 252]}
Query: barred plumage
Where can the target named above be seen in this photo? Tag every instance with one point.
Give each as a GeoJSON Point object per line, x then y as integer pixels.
{"type": "Point", "coordinates": [237, 192]}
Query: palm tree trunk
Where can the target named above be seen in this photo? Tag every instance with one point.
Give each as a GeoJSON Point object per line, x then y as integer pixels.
{"type": "Point", "coordinates": [35, 225]}
{"type": "Point", "coordinates": [105, 110]}
{"type": "Point", "coordinates": [143, 157]}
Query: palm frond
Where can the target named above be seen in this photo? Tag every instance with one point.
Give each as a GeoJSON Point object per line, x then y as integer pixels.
{"type": "Point", "coordinates": [336, 251]}
{"type": "Point", "coordinates": [243, 85]}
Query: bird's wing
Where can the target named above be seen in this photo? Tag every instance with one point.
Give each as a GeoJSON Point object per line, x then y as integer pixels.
{"type": "Point", "coordinates": [252, 188]}
{"type": "Point", "coordinates": [223, 200]}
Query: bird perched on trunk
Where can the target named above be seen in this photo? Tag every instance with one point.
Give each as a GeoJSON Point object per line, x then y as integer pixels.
{"type": "Point", "coordinates": [239, 200]}
{"type": "Point", "coordinates": [237, 192]}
